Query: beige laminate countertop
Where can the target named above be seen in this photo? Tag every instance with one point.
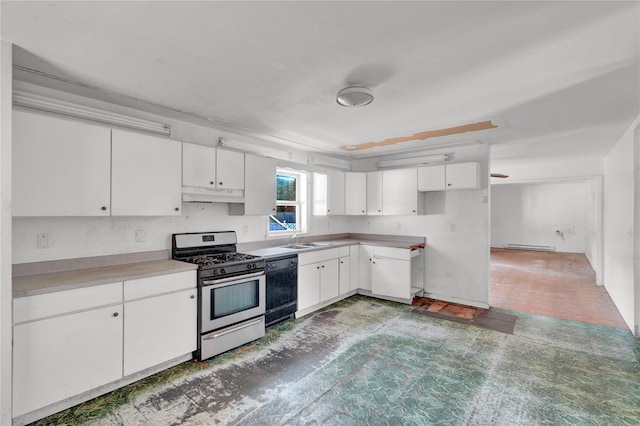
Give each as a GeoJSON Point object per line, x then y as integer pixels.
{"type": "Point", "coordinates": [68, 280]}
{"type": "Point", "coordinates": [280, 250]}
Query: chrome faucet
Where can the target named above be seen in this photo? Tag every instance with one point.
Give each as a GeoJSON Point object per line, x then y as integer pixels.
{"type": "Point", "coordinates": [294, 238]}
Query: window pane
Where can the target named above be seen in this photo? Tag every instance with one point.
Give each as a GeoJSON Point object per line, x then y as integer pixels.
{"type": "Point", "coordinates": [286, 187]}
{"type": "Point", "coordinates": [285, 219]}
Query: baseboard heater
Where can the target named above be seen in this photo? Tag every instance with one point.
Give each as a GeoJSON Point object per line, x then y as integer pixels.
{"type": "Point", "coordinates": [529, 247]}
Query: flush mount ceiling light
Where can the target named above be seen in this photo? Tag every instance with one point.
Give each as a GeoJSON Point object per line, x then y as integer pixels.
{"type": "Point", "coordinates": [354, 96]}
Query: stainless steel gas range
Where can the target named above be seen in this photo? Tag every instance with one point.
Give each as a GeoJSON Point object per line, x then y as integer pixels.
{"type": "Point", "coordinates": [231, 290]}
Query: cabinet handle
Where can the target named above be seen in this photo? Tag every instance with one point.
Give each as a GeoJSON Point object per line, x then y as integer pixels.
{"type": "Point", "coordinates": [192, 297]}
{"type": "Point", "coordinates": [362, 211]}
{"type": "Point", "coordinates": [103, 208]}
{"type": "Point", "coordinates": [115, 314]}
{"type": "Point", "coordinates": [341, 262]}
{"type": "Point", "coordinates": [177, 209]}
{"type": "Point", "coordinates": [273, 210]}
{"type": "Point", "coordinates": [211, 183]}
{"type": "Point", "coordinates": [379, 211]}
{"type": "Point", "coordinates": [323, 266]}
{"type": "Point", "coordinates": [448, 184]}
{"type": "Point", "coordinates": [220, 183]}
{"type": "Point", "coordinates": [413, 211]}
{"type": "Point", "coordinates": [317, 267]}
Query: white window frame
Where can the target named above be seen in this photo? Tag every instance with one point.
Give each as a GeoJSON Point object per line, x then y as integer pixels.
{"type": "Point", "coordinates": [302, 216]}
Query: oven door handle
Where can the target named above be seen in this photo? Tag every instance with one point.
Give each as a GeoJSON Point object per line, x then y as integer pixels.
{"type": "Point", "coordinates": [233, 329]}
{"type": "Point", "coordinates": [235, 278]}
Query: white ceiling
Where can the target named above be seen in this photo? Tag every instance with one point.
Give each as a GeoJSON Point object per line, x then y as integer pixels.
{"type": "Point", "coordinates": [559, 78]}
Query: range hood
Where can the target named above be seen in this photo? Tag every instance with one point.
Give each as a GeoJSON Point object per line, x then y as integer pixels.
{"type": "Point", "coordinates": [211, 195]}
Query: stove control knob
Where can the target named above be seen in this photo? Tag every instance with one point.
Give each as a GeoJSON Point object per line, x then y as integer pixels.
{"type": "Point", "coordinates": [248, 266]}
{"type": "Point", "coordinates": [222, 271]}
{"type": "Point", "coordinates": [215, 272]}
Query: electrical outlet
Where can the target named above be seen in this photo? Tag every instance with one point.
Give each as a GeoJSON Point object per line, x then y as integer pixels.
{"type": "Point", "coordinates": [140, 235]}
{"type": "Point", "coordinates": [43, 241]}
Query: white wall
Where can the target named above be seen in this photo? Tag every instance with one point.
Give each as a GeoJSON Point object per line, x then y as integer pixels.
{"type": "Point", "coordinates": [6, 299]}
{"type": "Point", "coordinates": [71, 237]}
{"type": "Point", "coordinates": [593, 226]}
{"type": "Point", "coordinates": [456, 263]}
{"type": "Point", "coordinates": [534, 213]}
{"type": "Point", "coordinates": [619, 224]}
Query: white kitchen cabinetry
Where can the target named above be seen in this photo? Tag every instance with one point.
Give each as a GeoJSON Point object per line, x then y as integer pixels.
{"type": "Point", "coordinates": [145, 175]}
{"type": "Point", "coordinates": [391, 272]}
{"type": "Point", "coordinates": [198, 166]}
{"type": "Point", "coordinates": [355, 193]}
{"type": "Point", "coordinates": [230, 170]}
{"type": "Point", "coordinates": [449, 176]}
{"type": "Point", "coordinates": [364, 266]}
{"type": "Point", "coordinates": [345, 275]}
{"type": "Point", "coordinates": [400, 192]}
{"type": "Point", "coordinates": [328, 193]}
{"type": "Point", "coordinates": [318, 278]}
{"type": "Point", "coordinates": [64, 345]}
{"type": "Point", "coordinates": [308, 286]}
{"type": "Point", "coordinates": [260, 187]}
{"type": "Point", "coordinates": [208, 167]}
{"type": "Point", "coordinates": [431, 178]}
{"type": "Point", "coordinates": [374, 193]}
{"type": "Point", "coordinates": [354, 267]}
{"type": "Point", "coordinates": [70, 346]}
{"type": "Point", "coordinates": [159, 327]}
{"type": "Point", "coordinates": [463, 176]}
{"type": "Point", "coordinates": [60, 167]}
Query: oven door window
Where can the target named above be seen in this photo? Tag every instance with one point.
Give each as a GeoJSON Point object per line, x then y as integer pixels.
{"type": "Point", "coordinates": [234, 298]}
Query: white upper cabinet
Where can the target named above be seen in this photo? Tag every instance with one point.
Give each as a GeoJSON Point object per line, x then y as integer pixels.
{"type": "Point", "coordinates": [431, 178]}
{"type": "Point", "coordinates": [60, 167]}
{"type": "Point", "coordinates": [449, 176]}
{"type": "Point", "coordinates": [198, 166]}
{"type": "Point", "coordinates": [208, 167]}
{"type": "Point", "coordinates": [260, 187]}
{"type": "Point", "coordinates": [145, 175]}
{"type": "Point", "coordinates": [463, 176]}
{"type": "Point", "coordinates": [355, 193]}
{"type": "Point", "coordinates": [335, 192]}
{"type": "Point", "coordinates": [374, 193]}
{"type": "Point", "coordinates": [328, 193]}
{"type": "Point", "coordinates": [230, 170]}
{"type": "Point", "coordinates": [400, 192]}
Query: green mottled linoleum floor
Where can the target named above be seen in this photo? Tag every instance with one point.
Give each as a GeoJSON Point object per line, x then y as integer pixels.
{"type": "Point", "coordinates": [369, 362]}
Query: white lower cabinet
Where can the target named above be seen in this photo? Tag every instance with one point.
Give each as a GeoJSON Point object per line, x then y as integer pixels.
{"type": "Point", "coordinates": [319, 274]}
{"type": "Point", "coordinates": [392, 272]}
{"type": "Point", "coordinates": [159, 328]}
{"type": "Point", "coordinates": [68, 343]}
{"type": "Point", "coordinates": [345, 275]}
{"type": "Point", "coordinates": [59, 357]}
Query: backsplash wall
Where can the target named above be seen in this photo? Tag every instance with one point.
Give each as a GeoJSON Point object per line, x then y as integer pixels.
{"type": "Point", "coordinates": [71, 237]}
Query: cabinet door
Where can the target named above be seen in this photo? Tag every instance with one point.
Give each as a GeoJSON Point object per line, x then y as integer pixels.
{"type": "Point", "coordinates": [355, 185]}
{"type": "Point", "coordinates": [463, 176]}
{"type": "Point", "coordinates": [391, 277]}
{"type": "Point", "coordinates": [145, 175]}
{"type": "Point", "coordinates": [345, 275]}
{"type": "Point", "coordinates": [60, 167]}
{"type": "Point", "coordinates": [366, 258]}
{"type": "Point", "coordinates": [230, 169]}
{"type": "Point", "coordinates": [308, 285]}
{"type": "Point", "coordinates": [63, 356]}
{"type": "Point", "coordinates": [198, 166]}
{"type": "Point", "coordinates": [335, 192]}
{"type": "Point", "coordinates": [260, 185]}
{"type": "Point", "coordinates": [329, 279]}
{"type": "Point", "coordinates": [374, 193]}
{"type": "Point", "coordinates": [159, 328]}
{"type": "Point", "coordinates": [431, 178]}
{"type": "Point", "coordinates": [400, 192]}
{"type": "Point", "coordinates": [354, 267]}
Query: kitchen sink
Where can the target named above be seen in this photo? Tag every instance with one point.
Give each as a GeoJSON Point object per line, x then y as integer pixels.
{"type": "Point", "coordinates": [305, 246]}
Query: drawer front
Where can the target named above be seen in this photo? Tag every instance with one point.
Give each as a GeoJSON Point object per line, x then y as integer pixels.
{"type": "Point", "coordinates": [392, 252]}
{"type": "Point", "coordinates": [62, 302]}
{"type": "Point", "coordinates": [159, 284]}
{"type": "Point", "coordinates": [318, 256]}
